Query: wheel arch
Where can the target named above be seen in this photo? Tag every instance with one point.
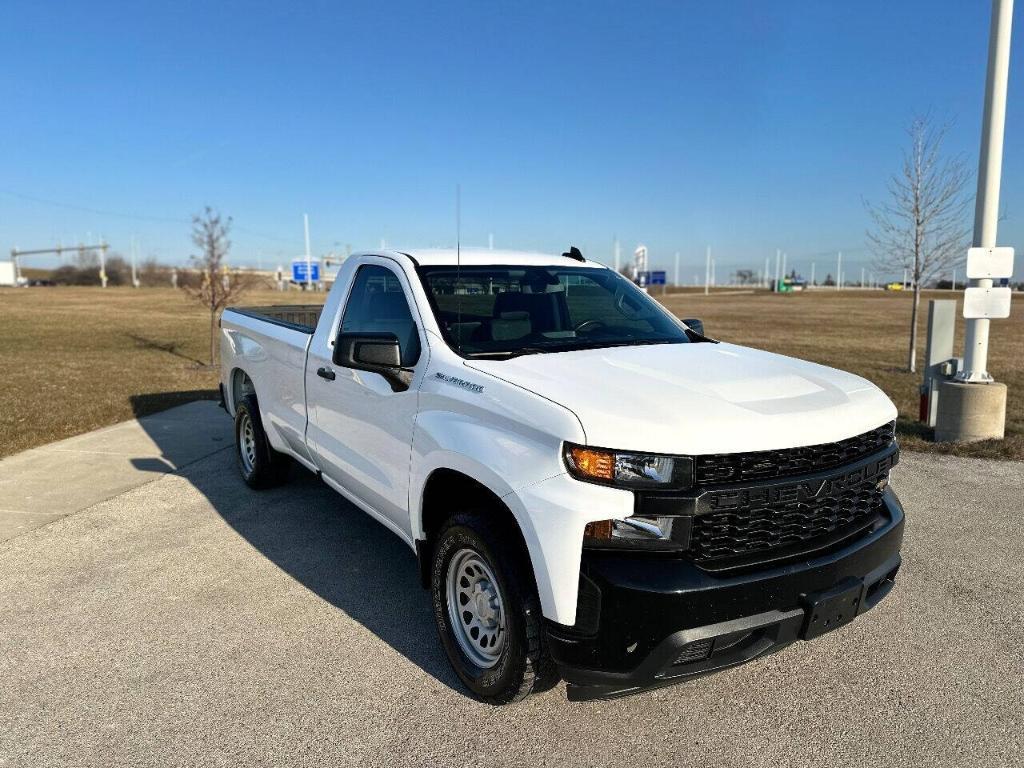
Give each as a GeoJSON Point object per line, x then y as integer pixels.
{"type": "Point", "coordinates": [446, 491]}
{"type": "Point", "coordinates": [241, 385]}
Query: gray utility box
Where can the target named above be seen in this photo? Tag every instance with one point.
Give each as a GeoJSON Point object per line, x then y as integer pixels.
{"type": "Point", "coordinates": [940, 364]}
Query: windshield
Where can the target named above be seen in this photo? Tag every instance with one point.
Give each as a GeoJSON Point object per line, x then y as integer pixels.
{"type": "Point", "coordinates": [506, 311]}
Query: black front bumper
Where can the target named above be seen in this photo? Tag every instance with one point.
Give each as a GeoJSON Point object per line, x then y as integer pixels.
{"type": "Point", "coordinates": [646, 621]}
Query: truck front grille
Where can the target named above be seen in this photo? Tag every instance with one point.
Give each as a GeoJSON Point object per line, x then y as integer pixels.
{"type": "Point", "coordinates": [741, 525]}
{"type": "Point", "coordinates": [717, 468]}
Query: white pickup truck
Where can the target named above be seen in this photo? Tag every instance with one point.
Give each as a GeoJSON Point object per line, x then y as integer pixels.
{"type": "Point", "coordinates": [593, 488]}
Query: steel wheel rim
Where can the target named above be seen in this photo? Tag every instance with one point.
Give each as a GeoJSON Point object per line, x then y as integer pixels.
{"type": "Point", "coordinates": [247, 442]}
{"type": "Point", "coordinates": [476, 610]}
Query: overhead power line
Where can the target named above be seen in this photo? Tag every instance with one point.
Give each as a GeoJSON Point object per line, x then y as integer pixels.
{"type": "Point", "coordinates": [138, 217]}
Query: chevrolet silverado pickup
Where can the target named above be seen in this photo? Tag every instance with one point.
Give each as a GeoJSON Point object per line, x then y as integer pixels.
{"type": "Point", "coordinates": [593, 489]}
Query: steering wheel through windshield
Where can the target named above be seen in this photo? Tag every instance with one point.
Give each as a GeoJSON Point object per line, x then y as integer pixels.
{"type": "Point", "coordinates": [590, 325]}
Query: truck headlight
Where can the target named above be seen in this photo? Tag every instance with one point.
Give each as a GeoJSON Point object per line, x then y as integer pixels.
{"type": "Point", "coordinates": [628, 470]}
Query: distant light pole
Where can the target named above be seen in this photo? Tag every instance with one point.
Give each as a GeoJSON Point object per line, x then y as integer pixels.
{"type": "Point", "coordinates": [103, 262]}
{"type": "Point", "coordinates": [707, 271]}
{"type": "Point", "coordinates": [839, 271]}
{"type": "Point", "coordinates": [309, 258]}
{"type": "Point", "coordinates": [135, 274]}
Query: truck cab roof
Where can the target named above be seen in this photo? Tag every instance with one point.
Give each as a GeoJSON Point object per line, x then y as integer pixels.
{"type": "Point", "coordinates": [479, 257]}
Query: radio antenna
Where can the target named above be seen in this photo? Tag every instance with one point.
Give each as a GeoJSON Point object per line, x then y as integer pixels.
{"type": "Point", "coordinates": [458, 266]}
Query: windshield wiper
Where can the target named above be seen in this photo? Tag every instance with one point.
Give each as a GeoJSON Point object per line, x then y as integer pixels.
{"type": "Point", "coordinates": [565, 346]}
{"type": "Point", "coordinates": [630, 343]}
{"type": "Point", "coordinates": [507, 354]}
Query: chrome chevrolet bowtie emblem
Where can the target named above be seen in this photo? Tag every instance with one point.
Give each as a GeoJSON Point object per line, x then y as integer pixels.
{"type": "Point", "coordinates": [812, 492]}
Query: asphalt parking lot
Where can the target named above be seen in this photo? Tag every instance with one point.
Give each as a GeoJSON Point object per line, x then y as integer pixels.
{"type": "Point", "coordinates": [191, 621]}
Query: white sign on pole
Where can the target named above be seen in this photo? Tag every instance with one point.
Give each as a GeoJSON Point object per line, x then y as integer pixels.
{"type": "Point", "coordinates": [989, 303]}
{"type": "Point", "coordinates": [984, 263]}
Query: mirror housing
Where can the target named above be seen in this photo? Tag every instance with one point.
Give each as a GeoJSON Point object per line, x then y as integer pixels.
{"type": "Point", "coordinates": [695, 325]}
{"type": "Point", "coordinates": [374, 352]}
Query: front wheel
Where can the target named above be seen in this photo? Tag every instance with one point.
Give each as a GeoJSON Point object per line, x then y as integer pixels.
{"type": "Point", "coordinates": [487, 611]}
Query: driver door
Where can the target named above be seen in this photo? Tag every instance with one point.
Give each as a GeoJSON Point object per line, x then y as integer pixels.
{"type": "Point", "coordinates": [362, 429]}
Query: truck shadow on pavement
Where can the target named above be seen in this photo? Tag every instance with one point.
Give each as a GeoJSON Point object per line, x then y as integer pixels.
{"type": "Point", "coordinates": [333, 549]}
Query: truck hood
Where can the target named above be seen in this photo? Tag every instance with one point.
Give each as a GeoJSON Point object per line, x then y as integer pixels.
{"type": "Point", "coordinates": [698, 398]}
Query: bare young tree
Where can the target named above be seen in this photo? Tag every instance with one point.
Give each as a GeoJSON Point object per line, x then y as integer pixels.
{"type": "Point", "coordinates": [922, 228]}
{"type": "Point", "coordinates": [216, 286]}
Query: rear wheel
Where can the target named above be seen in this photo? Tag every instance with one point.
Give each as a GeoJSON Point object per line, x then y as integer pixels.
{"type": "Point", "coordinates": [487, 611]}
{"type": "Point", "coordinates": [260, 465]}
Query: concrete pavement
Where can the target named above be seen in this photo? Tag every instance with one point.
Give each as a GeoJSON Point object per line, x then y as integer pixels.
{"type": "Point", "coordinates": [191, 621]}
{"type": "Point", "coordinates": [47, 483]}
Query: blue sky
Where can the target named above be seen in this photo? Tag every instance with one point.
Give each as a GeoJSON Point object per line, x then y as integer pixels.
{"type": "Point", "coordinates": [746, 126]}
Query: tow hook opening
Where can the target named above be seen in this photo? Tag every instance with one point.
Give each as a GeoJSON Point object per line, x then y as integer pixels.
{"type": "Point", "coordinates": [879, 589]}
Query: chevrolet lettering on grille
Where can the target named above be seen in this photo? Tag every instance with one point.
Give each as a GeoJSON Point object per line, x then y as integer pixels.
{"type": "Point", "coordinates": [803, 491]}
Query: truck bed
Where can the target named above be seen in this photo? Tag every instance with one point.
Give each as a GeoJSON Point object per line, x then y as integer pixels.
{"type": "Point", "coordinates": [298, 317]}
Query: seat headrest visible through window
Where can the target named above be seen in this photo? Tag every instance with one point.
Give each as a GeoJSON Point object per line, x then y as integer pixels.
{"type": "Point", "coordinates": [510, 326]}
{"type": "Point", "coordinates": [544, 310]}
{"type": "Point", "coordinates": [387, 305]}
{"type": "Point", "coordinates": [511, 301]}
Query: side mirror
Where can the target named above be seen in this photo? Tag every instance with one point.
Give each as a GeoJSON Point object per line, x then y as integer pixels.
{"type": "Point", "coordinates": [695, 325]}
{"type": "Point", "coordinates": [376, 353]}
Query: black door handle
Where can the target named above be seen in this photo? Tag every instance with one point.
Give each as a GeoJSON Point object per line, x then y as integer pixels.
{"type": "Point", "coordinates": [325, 373]}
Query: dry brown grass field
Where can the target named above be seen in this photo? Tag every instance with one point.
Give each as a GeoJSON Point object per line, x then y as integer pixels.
{"type": "Point", "coordinates": [74, 359]}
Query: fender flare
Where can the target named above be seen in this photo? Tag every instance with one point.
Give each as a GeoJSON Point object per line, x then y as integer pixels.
{"type": "Point", "coordinates": [489, 479]}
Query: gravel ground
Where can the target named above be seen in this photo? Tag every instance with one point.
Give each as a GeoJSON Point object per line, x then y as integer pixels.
{"type": "Point", "coordinates": [194, 622]}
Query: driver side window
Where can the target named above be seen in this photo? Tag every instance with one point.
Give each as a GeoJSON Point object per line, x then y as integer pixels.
{"type": "Point", "coordinates": [377, 304]}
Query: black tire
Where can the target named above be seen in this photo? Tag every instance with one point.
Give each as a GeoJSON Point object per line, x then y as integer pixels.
{"type": "Point", "coordinates": [524, 665]}
{"type": "Point", "coordinates": [263, 467]}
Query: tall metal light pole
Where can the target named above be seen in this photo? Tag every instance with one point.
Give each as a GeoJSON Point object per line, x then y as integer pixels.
{"type": "Point", "coordinates": [973, 407]}
{"type": "Point", "coordinates": [990, 165]}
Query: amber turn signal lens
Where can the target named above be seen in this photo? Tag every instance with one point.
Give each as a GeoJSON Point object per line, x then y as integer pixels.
{"type": "Point", "coordinates": [599, 465]}
{"type": "Point", "coordinates": [602, 529]}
